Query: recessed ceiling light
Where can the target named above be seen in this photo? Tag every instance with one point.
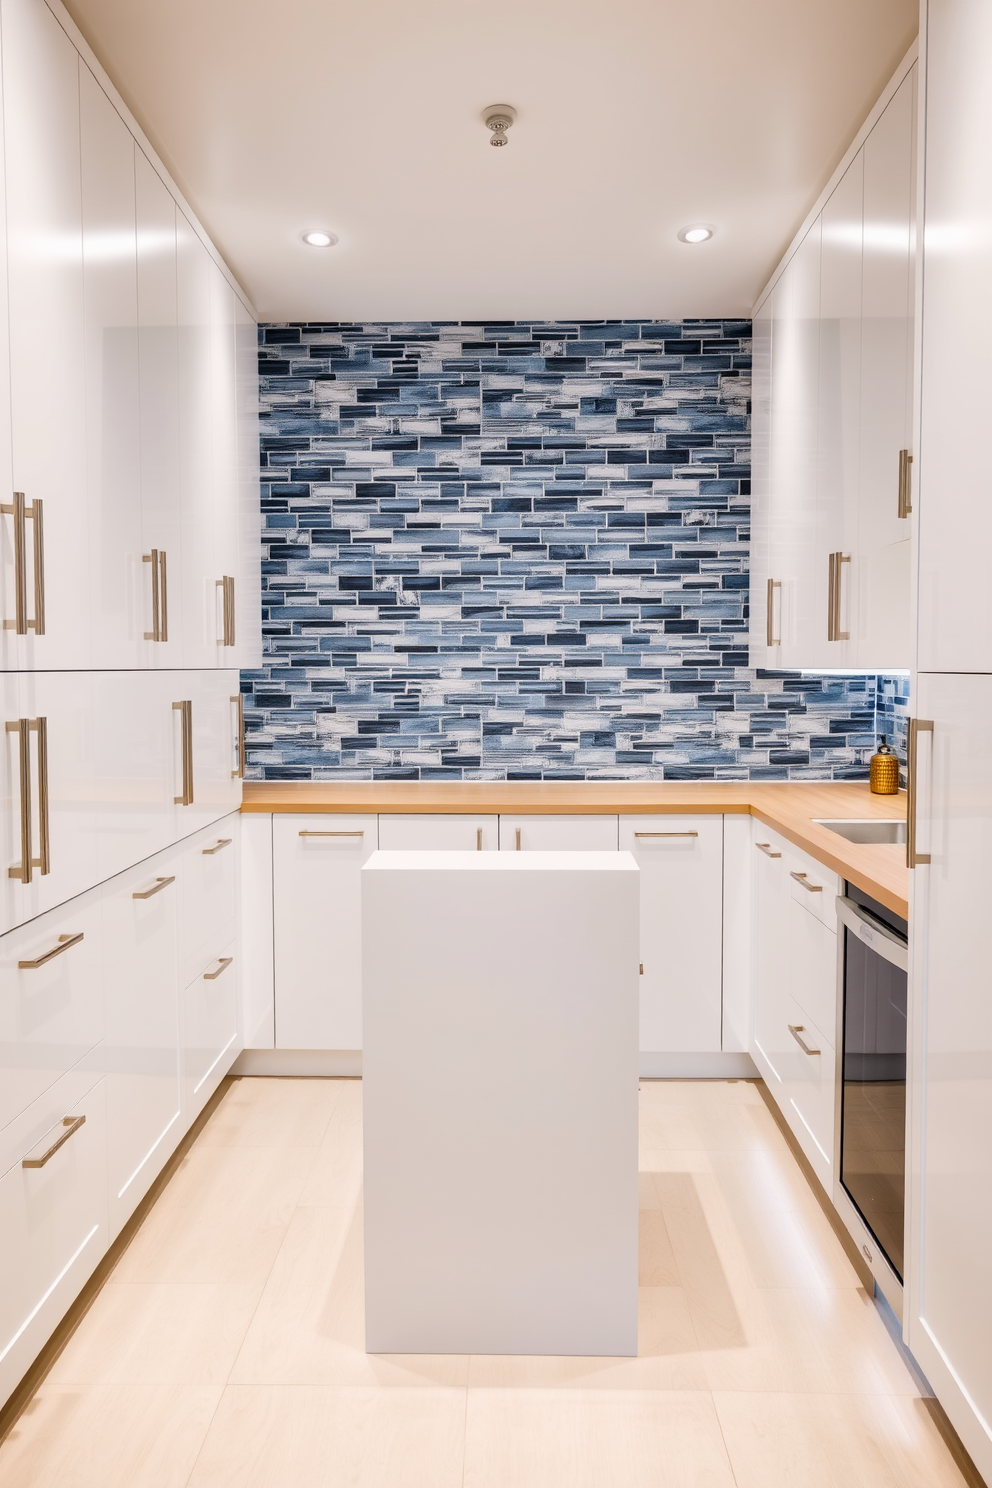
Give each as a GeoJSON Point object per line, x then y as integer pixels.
{"type": "Point", "coordinates": [695, 234]}
{"type": "Point", "coordinates": [320, 239]}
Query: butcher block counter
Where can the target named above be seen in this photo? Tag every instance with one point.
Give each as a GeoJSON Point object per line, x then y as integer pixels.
{"type": "Point", "coordinates": [789, 807]}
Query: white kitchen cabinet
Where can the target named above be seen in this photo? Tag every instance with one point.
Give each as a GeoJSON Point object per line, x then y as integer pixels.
{"type": "Point", "coordinates": [765, 597]}
{"type": "Point", "coordinates": [140, 1052]}
{"type": "Point", "coordinates": [224, 466]}
{"type": "Point", "coordinates": [137, 767]}
{"type": "Point", "coordinates": [53, 1214]}
{"type": "Point", "coordinates": [45, 310]}
{"type": "Point", "coordinates": [949, 1317]}
{"type": "Point", "coordinates": [317, 928]}
{"type": "Point", "coordinates": [558, 833]}
{"type": "Point", "coordinates": [209, 1029]}
{"type": "Point", "coordinates": [51, 1000]}
{"type": "Point", "coordinates": [110, 306]}
{"type": "Point", "coordinates": [770, 951]}
{"type": "Point", "coordinates": [209, 894]}
{"type": "Point", "coordinates": [681, 895]}
{"type": "Point", "coordinates": [196, 448]}
{"type": "Point", "coordinates": [438, 833]}
{"type": "Point", "coordinates": [248, 607]}
{"type": "Point", "coordinates": [206, 746]}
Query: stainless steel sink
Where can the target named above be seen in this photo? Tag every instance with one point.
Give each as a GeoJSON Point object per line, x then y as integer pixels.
{"type": "Point", "coordinates": [866, 831]}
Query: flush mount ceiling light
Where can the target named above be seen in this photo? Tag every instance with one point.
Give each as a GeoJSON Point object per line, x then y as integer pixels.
{"type": "Point", "coordinates": [498, 118]}
{"type": "Point", "coordinates": [697, 234]}
{"type": "Point", "coordinates": [317, 238]}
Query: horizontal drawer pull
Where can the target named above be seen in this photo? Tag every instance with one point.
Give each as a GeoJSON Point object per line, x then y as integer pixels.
{"type": "Point", "coordinates": [156, 888]}
{"type": "Point", "coordinates": [767, 849]}
{"type": "Point", "coordinates": [332, 834]}
{"type": "Point", "coordinates": [65, 942]}
{"type": "Point", "coordinates": [71, 1125]}
{"type": "Point", "coordinates": [810, 888]}
{"type": "Point", "coordinates": [666, 834]}
{"type": "Point", "coordinates": [797, 1030]}
{"type": "Point", "coordinates": [208, 852]}
{"type": "Point", "coordinates": [223, 962]}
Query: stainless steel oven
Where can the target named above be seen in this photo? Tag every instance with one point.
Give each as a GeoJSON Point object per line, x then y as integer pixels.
{"type": "Point", "coordinates": [873, 1069]}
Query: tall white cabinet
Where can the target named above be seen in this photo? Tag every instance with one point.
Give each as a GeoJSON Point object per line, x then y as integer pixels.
{"type": "Point", "coordinates": [130, 597]}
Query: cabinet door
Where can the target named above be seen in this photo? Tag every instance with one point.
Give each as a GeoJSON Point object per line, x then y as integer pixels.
{"type": "Point", "coordinates": [249, 574]}
{"type": "Point", "coordinates": [224, 466]}
{"type": "Point", "coordinates": [216, 745]}
{"type": "Point", "coordinates": [137, 767]}
{"type": "Point", "coordinates": [45, 300]}
{"type": "Point", "coordinates": [317, 903]}
{"type": "Point", "coordinates": [48, 790]}
{"type": "Point", "coordinates": [770, 950]}
{"type": "Point", "coordinates": [110, 299]}
{"type": "Point", "coordinates": [141, 1042]}
{"type": "Point", "coordinates": [763, 642]}
{"type": "Point", "coordinates": [438, 833]}
{"type": "Point", "coordinates": [209, 895]}
{"type": "Point", "coordinates": [209, 1029]}
{"type": "Point", "coordinates": [951, 1073]}
{"type": "Point", "coordinates": [558, 833]}
{"type": "Point", "coordinates": [158, 390]}
{"type": "Point", "coordinates": [199, 594]}
{"type": "Point", "coordinates": [681, 889]}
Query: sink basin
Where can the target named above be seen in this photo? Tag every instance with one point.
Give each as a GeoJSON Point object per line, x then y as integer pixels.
{"type": "Point", "coordinates": [866, 831]}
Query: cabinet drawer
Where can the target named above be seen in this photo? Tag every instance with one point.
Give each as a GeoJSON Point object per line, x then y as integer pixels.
{"type": "Point", "coordinates": [438, 833]}
{"type": "Point", "coordinates": [810, 1087]}
{"type": "Point", "coordinates": [51, 1013]}
{"type": "Point", "coordinates": [210, 1029]}
{"type": "Point", "coordinates": [53, 1227]}
{"type": "Point", "coordinates": [814, 887]}
{"type": "Point", "coordinates": [812, 967]}
{"type": "Point", "coordinates": [208, 878]}
{"type": "Point", "coordinates": [558, 833]}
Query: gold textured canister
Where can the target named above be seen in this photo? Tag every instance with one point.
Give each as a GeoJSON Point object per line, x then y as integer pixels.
{"type": "Point", "coordinates": [884, 770]}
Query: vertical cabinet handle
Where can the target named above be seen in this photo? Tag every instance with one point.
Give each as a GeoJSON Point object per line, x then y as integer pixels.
{"type": "Point", "coordinates": [23, 728]}
{"type": "Point", "coordinates": [905, 483]}
{"type": "Point", "coordinates": [226, 586]}
{"type": "Point", "coordinates": [518, 839]}
{"type": "Point", "coordinates": [160, 595]}
{"type": "Point", "coordinates": [771, 639]}
{"type": "Point", "coordinates": [835, 566]}
{"type": "Point", "coordinates": [917, 726]}
{"type": "Point", "coordinates": [478, 839]}
{"type": "Point", "coordinates": [185, 711]}
{"type": "Point", "coordinates": [21, 513]}
{"type": "Point", "coordinates": [238, 773]}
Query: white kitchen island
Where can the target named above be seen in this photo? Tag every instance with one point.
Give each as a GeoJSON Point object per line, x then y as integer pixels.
{"type": "Point", "coordinates": [500, 1015]}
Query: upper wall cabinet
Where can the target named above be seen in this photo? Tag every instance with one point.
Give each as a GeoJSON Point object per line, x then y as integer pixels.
{"type": "Point", "coordinates": [129, 532]}
{"type": "Point", "coordinates": [833, 419]}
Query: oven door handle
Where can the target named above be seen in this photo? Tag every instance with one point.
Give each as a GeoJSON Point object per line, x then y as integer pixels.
{"type": "Point", "coordinates": [878, 937]}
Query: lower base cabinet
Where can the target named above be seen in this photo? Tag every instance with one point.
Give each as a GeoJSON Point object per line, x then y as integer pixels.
{"type": "Point", "coordinates": [209, 1029]}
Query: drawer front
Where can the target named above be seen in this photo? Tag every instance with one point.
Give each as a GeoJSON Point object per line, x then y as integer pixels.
{"type": "Point", "coordinates": [53, 1225]}
{"type": "Point", "coordinates": [813, 886]}
{"type": "Point", "coordinates": [51, 1013]}
{"type": "Point", "coordinates": [209, 1029]}
{"type": "Point", "coordinates": [558, 833]}
{"type": "Point", "coordinates": [812, 967]}
{"type": "Point", "coordinates": [438, 833]}
{"type": "Point", "coordinates": [208, 887]}
{"type": "Point", "coordinates": [810, 1090]}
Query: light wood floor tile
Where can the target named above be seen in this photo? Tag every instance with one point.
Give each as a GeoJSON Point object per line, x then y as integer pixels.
{"type": "Point", "coordinates": [336, 1175]}
{"type": "Point", "coordinates": [304, 1436]}
{"type": "Point", "coordinates": [108, 1436]}
{"type": "Point", "coordinates": [568, 1439]}
{"type": "Point", "coordinates": [833, 1441]}
{"type": "Point", "coordinates": [273, 1113]}
{"type": "Point", "coordinates": [158, 1334]}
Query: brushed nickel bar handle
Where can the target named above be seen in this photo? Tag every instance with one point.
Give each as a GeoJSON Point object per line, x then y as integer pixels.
{"type": "Point", "coordinates": [666, 834]}
{"type": "Point", "coordinates": [835, 565]}
{"type": "Point", "coordinates": [15, 508]}
{"type": "Point", "coordinates": [811, 888]}
{"type": "Point", "coordinates": [905, 484]}
{"type": "Point", "coordinates": [71, 1125]}
{"type": "Point", "coordinates": [332, 834]}
{"type": "Point", "coordinates": [44, 859]}
{"type": "Point", "coordinates": [185, 711]}
{"type": "Point", "coordinates": [239, 773]}
{"type": "Point", "coordinates": [767, 849]}
{"type": "Point", "coordinates": [22, 728]}
{"type": "Point", "coordinates": [155, 634]}
{"type": "Point", "coordinates": [37, 513]}
{"type": "Point", "coordinates": [478, 839]}
{"type": "Point", "coordinates": [221, 842]}
{"type": "Point", "coordinates": [797, 1030]}
{"type": "Point", "coordinates": [163, 597]}
{"type": "Point", "coordinates": [518, 839]}
{"type": "Point", "coordinates": [65, 943]}
{"type": "Point", "coordinates": [229, 582]}
{"type": "Point", "coordinates": [223, 962]}
{"type": "Point", "coordinates": [770, 638]}
{"type": "Point", "coordinates": [917, 726]}
{"type": "Point", "coordinates": [156, 888]}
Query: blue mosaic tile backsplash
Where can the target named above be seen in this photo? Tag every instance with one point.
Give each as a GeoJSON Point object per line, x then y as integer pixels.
{"type": "Point", "coordinates": [519, 551]}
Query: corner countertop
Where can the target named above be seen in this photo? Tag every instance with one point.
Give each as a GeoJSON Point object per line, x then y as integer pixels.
{"type": "Point", "coordinates": [788, 807]}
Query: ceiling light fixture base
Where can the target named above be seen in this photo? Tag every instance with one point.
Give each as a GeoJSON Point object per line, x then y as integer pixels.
{"type": "Point", "coordinates": [498, 118]}
{"type": "Point", "coordinates": [319, 238]}
{"type": "Point", "coordinates": [696, 232]}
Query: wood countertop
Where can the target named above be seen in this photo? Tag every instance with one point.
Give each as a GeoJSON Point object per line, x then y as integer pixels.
{"type": "Point", "coordinates": [788, 807]}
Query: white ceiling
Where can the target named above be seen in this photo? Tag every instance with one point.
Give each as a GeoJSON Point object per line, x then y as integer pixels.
{"type": "Point", "coordinates": [634, 118]}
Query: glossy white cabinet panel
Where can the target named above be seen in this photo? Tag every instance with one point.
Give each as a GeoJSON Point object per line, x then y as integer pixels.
{"type": "Point", "coordinates": [209, 1029]}
{"type": "Point", "coordinates": [317, 914]}
{"type": "Point", "coordinates": [53, 1218]}
{"type": "Point", "coordinates": [58, 791]}
{"type": "Point", "coordinates": [110, 300]}
{"type": "Point", "coordinates": [950, 1312]}
{"type": "Point", "coordinates": [812, 976]}
{"type": "Point", "coordinates": [224, 463]}
{"type": "Point", "coordinates": [763, 638]}
{"type": "Point", "coordinates": [813, 887]}
{"type": "Point", "coordinates": [158, 387]}
{"type": "Point", "coordinates": [738, 933]}
{"type": "Point", "coordinates": [137, 766]}
{"type": "Point", "coordinates": [681, 896]}
{"type": "Point", "coordinates": [216, 752]}
{"type": "Point", "coordinates": [256, 932]}
{"type": "Point", "coordinates": [249, 572]}
{"type": "Point", "coordinates": [140, 1053]}
{"type": "Point", "coordinates": [199, 598]}
{"type": "Point", "coordinates": [51, 1000]}
{"type": "Point", "coordinates": [558, 833]}
{"type": "Point", "coordinates": [208, 866]}
{"type": "Point", "coordinates": [45, 299]}
{"type": "Point", "coordinates": [810, 1090]}
{"type": "Point", "coordinates": [771, 1045]}
{"type": "Point", "coordinates": [438, 833]}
